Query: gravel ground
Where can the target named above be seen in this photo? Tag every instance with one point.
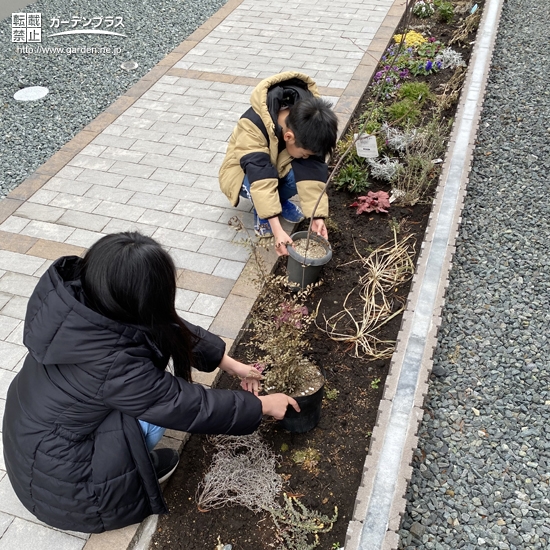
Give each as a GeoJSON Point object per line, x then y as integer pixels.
{"type": "Point", "coordinates": [482, 468]}
{"type": "Point", "coordinates": [82, 85]}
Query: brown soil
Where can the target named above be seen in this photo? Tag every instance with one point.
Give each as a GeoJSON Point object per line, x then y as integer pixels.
{"type": "Point", "coordinates": [343, 434]}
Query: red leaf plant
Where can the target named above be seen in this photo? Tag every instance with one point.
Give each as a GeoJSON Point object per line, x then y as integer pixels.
{"type": "Point", "coordinates": [372, 202]}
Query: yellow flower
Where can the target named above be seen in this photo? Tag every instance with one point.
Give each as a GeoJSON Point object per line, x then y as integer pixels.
{"type": "Point", "coordinates": [412, 39]}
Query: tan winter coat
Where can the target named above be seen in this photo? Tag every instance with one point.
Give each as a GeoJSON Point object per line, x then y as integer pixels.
{"type": "Point", "coordinates": [254, 147]}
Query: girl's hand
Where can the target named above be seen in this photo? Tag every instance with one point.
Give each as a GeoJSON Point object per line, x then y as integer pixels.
{"type": "Point", "coordinates": [275, 405]}
{"type": "Point", "coordinates": [252, 381]}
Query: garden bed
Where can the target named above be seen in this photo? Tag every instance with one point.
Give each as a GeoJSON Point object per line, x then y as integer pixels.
{"type": "Point", "coordinates": [335, 451]}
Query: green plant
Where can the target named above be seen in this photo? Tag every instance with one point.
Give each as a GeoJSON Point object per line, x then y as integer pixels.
{"type": "Point", "coordinates": [418, 92]}
{"type": "Point", "coordinates": [308, 458]}
{"type": "Point", "coordinates": [332, 394]}
{"type": "Point", "coordinates": [298, 526]}
{"type": "Point", "coordinates": [375, 384]}
{"type": "Point", "coordinates": [335, 546]}
{"type": "Point", "coordinates": [352, 176]}
{"type": "Point", "coordinates": [284, 447]}
{"type": "Point", "coordinates": [418, 171]}
{"type": "Point", "coordinates": [405, 111]}
{"type": "Point", "coordinates": [445, 10]}
{"type": "Point", "coordinates": [423, 9]}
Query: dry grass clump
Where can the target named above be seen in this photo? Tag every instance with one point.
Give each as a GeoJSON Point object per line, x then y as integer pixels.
{"type": "Point", "coordinates": [385, 268]}
{"type": "Point", "coordinates": [243, 472]}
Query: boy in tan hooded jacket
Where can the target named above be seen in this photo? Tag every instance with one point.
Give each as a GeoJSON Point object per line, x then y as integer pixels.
{"type": "Point", "coordinates": [278, 150]}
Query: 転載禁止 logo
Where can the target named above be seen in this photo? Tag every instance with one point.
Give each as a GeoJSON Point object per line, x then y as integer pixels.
{"type": "Point", "coordinates": [27, 27]}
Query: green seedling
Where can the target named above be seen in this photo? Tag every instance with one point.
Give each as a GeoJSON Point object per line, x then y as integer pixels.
{"type": "Point", "coordinates": [375, 384]}
{"type": "Point", "coordinates": [332, 394]}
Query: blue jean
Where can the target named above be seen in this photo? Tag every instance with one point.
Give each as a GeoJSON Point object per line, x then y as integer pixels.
{"type": "Point", "coordinates": [286, 188]}
{"type": "Point", "coordinates": [153, 434]}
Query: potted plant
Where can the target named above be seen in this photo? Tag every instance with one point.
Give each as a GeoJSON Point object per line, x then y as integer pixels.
{"type": "Point", "coordinates": [279, 322]}
{"type": "Point", "coordinates": [306, 258]}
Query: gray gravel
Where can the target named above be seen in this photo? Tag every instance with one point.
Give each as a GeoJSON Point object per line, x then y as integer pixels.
{"type": "Point", "coordinates": [482, 468]}
{"type": "Point", "coordinates": [81, 85]}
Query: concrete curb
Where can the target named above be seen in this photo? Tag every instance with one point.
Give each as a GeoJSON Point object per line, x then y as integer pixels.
{"type": "Point", "coordinates": [381, 501]}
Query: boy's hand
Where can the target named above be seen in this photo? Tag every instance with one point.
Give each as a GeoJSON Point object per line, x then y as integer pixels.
{"type": "Point", "coordinates": [318, 226]}
{"type": "Point", "coordinates": [281, 239]}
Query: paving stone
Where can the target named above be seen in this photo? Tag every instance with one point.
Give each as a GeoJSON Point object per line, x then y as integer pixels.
{"type": "Point", "coordinates": [118, 226]}
{"type": "Point", "coordinates": [202, 212]}
{"type": "Point", "coordinates": [6, 377]}
{"type": "Point", "coordinates": [185, 299]}
{"type": "Point", "coordinates": [178, 239]}
{"type": "Point", "coordinates": [79, 203]}
{"type": "Point", "coordinates": [183, 192]}
{"type": "Point", "coordinates": [188, 260]}
{"type": "Point", "coordinates": [93, 163]}
{"type": "Point", "coordinates": [16, 335]}
{"type": "Point", "coordinates": [206, 304]}
{"type": "Point", "coordinates": [201, 282]}
{"type": "Point", "coordinates": [7, 326]}
{"type": "Point", "coordinates": [17, 284]}
{"type": "Point", "coordinates": [114, 194]}
{"type": "Point", "coordinates": [155, 202]}
{"type": "Point", "coordinates": [142, 184]}
{"type": "Point", "coordinates": [129, 169]}
{"type": "Point", "coordinates": [228, 269]}
{"type": "Point", "coordinates": [126, 155]}
{"type": "Point", "coordinates": [172, 176]}
{"type": "Point", "coordinates": [84, 220]}
{"type": "Point", "coordinates": [47, 230]}
{"type": "Point", "coordinates": [27, 535]}
{"type": "Point", "coordinates": [152, 147]}
{"type": "Point", "coordinates": [19, 263]}
{"type": "Point", "coordinates": [4, 299]}
{"type": "Point", "coordinates": [52, 250]}
{"type": "Point", "coordinates": [191, 153]}
{"type": "Point", "coordinates": [115, 141]}
{"type": "Point", "coordinates": [14, 224]}
{"type": "Point", "coordinates": [167, 220]}
{"type": "Point", "coordinates": [41, 212]}
{"type": "Point", "coordinates": [97, 177]}
{"type": "Point", "coordinates": [117, 210]}
{"type": "Point", "coordinates": [112, 540]}
{"type": "Point", "coordinates": [43, 268]}
{"type": "Point", "coordinates": [43, 196]}
{"type": "Point", "coordinates": [84, 238]}
{"type": "Point", "coordinates": [197, 319]}
{"type": "Point", "coordinates": [93, 150]}
{"type": "Point", "coordinates": [223, 249]}
{"type": "Point", "coordinates": [15, 306]}
{"type": "Point", "coordinates": [162, 161]}
{"type": "Point", "coordinates": [5, 519]}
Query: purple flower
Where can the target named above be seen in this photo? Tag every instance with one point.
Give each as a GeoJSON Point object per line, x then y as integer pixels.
{"type": "Point", "coordinates": [429, 65]}
{"type": "Point", "coordinates": [438, 64]}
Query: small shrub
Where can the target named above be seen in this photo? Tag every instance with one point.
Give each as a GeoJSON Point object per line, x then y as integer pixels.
{"type": "Point", "coordinates": [411, 39]}
{"type": "Point", "coordinates": [332, 394]}
{"type": "Point", "coordinates": [352, 177]}
{"type": "Point", "coordinates": [404, 111]}
{"type": "Point", "coordinates": [384, 169]}
{"type": "Point", "coordinates": [372, 202]}
{"type": "Point", "coordinates": [445, 10]}
{"type": "Point", "coordinates": [415, 91]}
{"type": "Point", "coordinates": [307, 458]}
{"type": "Point", "coordinates": [423, 9]}
{"type": "Point", "coordinates": [450, 59]}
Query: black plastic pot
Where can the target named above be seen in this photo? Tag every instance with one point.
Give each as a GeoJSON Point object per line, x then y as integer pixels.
{"type": "Point", "coordinates": [309, 415]}
{"type": "Point", "coordinates": [305, 271]}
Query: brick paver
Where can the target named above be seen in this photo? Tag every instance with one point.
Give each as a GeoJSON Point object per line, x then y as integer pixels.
{"type": "Point", "coordinates": [150, 163]}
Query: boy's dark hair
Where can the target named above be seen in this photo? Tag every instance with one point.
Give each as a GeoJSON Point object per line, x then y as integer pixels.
{"type": "Point", "coordinates": [130, 278]}
{"type": "Point", "coordinates": [314, 124]}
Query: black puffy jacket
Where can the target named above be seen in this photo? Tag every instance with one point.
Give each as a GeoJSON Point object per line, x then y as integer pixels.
{"type": "Point", "coordinates": [74, 451]}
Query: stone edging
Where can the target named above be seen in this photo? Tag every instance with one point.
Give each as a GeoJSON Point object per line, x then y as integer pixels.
{"type": "Point", "coordinates": [381, 498]}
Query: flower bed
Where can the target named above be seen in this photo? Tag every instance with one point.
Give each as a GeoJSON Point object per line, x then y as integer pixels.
{"type": "Point", "coordinates": [321, 469]}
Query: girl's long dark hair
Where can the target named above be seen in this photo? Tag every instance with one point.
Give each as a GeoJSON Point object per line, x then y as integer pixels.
{"type": "Point", "coordinates": [130, 278]}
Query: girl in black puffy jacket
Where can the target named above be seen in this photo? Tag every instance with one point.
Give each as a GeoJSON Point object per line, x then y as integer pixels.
{"type": "Point", "coordinates": [94, 397]}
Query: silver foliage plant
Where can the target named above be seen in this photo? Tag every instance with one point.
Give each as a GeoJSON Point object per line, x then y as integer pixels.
{"type": "Point", "coordinates": [396, 139]}
{"type": "Point", "coordinates": [384, 168]}
{"type": "Point", "coordinates": [243, 472]}
{"type": "Point", "coordinates": [450, 59]}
